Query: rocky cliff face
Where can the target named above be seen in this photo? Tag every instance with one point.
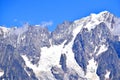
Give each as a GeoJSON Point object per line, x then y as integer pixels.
{"type": "Point", "coordinates": [13, 65]}
{"type": "Point", "coordinates": [97, 45]}
{"type": "Point", "coordinates": [86, 49]}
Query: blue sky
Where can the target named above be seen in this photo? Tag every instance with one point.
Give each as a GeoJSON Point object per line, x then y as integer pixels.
{"type": "Point", "coordinates": [18, 12]}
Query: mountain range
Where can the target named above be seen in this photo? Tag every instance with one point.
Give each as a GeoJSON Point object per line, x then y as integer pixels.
{"type": "Point", "coordinates": [85, 49]}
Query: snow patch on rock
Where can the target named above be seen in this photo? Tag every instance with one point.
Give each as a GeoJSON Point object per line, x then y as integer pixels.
{"type": "Point", "coordinates": [107, 74]}
{"type": "Point", "coordinates": [1, 72]}
{"type": "Point", "coordinates": [102, 49]}
{"type": "Point", "coordinates": [91, 70]}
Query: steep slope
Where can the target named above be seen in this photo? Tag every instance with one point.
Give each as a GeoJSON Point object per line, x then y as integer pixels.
{"type": "Point", "coordinates": [12, 65]}
{"type": "Point", "coordinates": [86, 49]}
{"type": "Point", "coordinates": [91, 50]}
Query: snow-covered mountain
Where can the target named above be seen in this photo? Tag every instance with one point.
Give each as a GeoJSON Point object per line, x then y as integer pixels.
{"type": "Point", "coordinates": [86, 49]}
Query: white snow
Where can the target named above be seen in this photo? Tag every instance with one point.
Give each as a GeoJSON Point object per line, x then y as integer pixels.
{"type": "Point", "coordinates": [95, 49]}
{"type": "Point", "coordinates": [1, 73]}
{"type": "Point", "coordinates": [90, 21]}
{"type": "Point", "coordinates": [49, 57]}
{"type": "Point", "coordinates": [91, 70]}
{"type": "Point", "coordinates": [23, 37]}
{"type": "Point", "coordinates": [71, 62]}
{"type": "Point", "coordinates": [119, 38]}
{"type": "Point", "coordinates": [95, 19]}
{"type": "Point", "coordinates": [27, 72]}
{"type": "Point", "coordinates": [28, 63]}
{"type": "Point", "coordinates": [79, 26]}
{"type": "Point", "coordinates": [102, 49]}
{"type": "Point", "coordinates": [107, 74]}
{"type": "Point", "coordinates": [103, 12]}
{"type": "Point", "coordinates": [5, 30]}
{"type": "Point", "coordinates": [36, 69]}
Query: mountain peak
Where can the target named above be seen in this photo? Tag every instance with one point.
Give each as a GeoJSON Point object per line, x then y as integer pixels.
{"type": "Point", "coordinates": [102, 15]}
{"type": "Point", "coordinates": [105, 12]}
{"type": "Point", "coordinates": [93, 19]}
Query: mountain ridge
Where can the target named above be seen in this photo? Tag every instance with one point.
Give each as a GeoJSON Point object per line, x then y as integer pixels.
{"type": "Point", "coordinates": [74, 51]}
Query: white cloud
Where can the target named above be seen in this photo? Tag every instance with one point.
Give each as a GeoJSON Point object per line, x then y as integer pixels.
{"type": "Point", "coordinates": [45, 24]}
{"type": "Point", "coordinates": [24, 28]}
{"type": "Point", "coordinates": [19, 30]}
